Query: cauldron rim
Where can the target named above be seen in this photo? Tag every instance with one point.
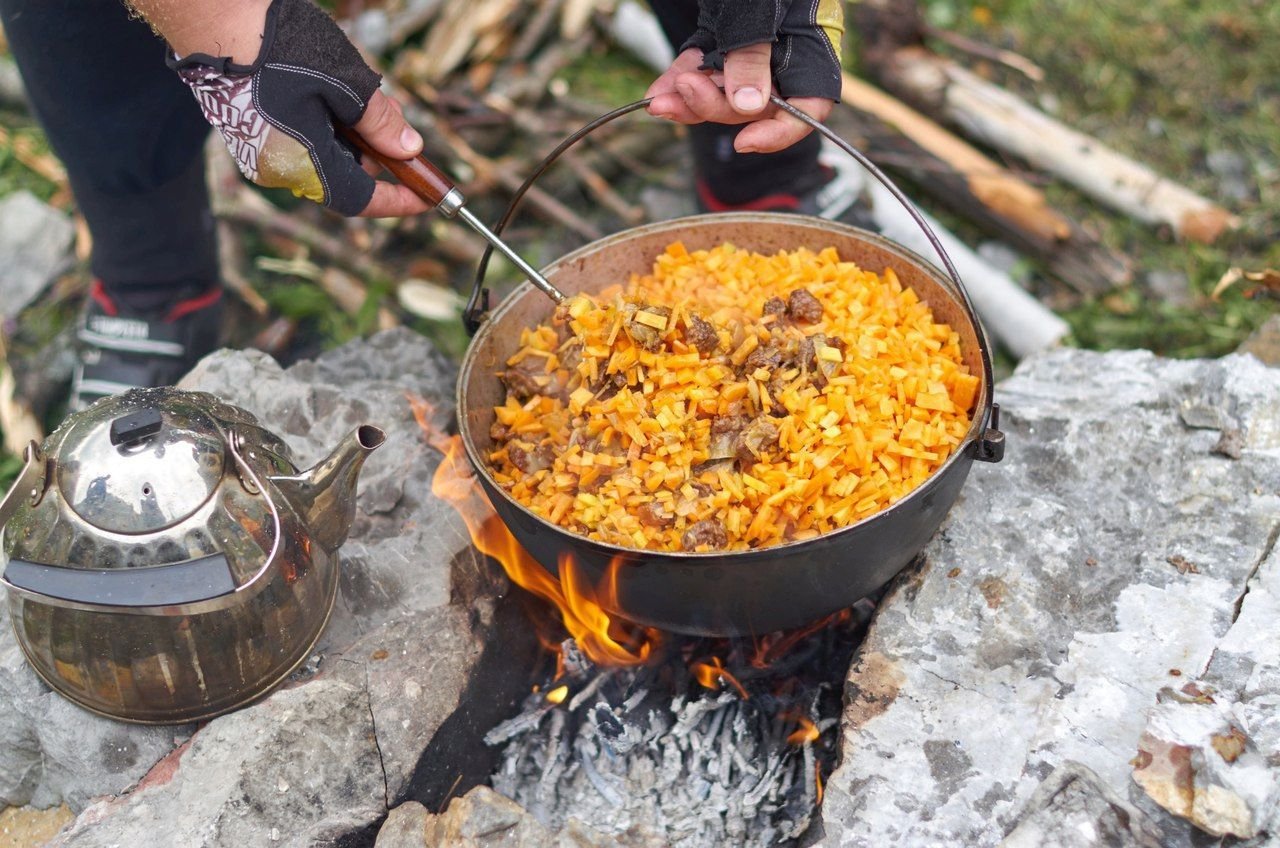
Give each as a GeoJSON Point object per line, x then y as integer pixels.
{"type": "Point", "coordinates": [962, 455]}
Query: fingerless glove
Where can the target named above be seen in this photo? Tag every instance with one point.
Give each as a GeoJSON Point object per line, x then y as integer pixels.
{"type": "Point", "coordinates": [277, 115]}
{"type": "Point", "coordinates": [804, 34]}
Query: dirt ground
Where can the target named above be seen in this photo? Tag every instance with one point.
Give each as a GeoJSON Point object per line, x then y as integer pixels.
{"type": "Point", "coordinates": [26, 827]}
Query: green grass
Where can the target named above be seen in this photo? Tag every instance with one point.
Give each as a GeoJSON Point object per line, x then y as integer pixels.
{"type": "Point", "coordinates": [1167, 82]}
{"type": "Point", "coordinates": [14, 175]}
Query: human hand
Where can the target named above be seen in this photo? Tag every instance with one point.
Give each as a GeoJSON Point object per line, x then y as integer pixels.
{"type": "Point", "coordinates": [726, 71]}
{"type": "Point", "coordinates": [277, 114]}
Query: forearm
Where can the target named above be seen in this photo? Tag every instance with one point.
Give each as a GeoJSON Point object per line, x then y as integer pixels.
{"type": "Point", "coordinates": [218, 27]}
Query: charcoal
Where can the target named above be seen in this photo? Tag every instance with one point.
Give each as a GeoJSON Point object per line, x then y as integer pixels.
{"type": "Point", "coordinates": [650, 748]}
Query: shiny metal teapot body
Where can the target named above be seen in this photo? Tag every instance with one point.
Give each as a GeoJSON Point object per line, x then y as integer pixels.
{"type": "Point", "coordinates": [165, 560]}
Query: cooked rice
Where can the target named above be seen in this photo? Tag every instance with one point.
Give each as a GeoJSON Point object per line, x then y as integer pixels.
{"type": "Point", "coordinates": [862, 405]}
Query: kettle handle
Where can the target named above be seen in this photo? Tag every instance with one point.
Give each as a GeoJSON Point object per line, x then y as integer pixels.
{"type": "Point", "coordinates": [202, 584]}
{"type": "Point", "coordinates": [171, 584]}
{"type": "Point", "coordinates": [30, 484]}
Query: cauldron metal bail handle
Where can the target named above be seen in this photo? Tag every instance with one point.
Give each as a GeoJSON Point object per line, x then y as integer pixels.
{"type": "Point", "coordinates": [990, 444]}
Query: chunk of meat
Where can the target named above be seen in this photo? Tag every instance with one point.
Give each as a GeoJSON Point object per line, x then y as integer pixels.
{"type": "Point", "coordinates": [530, 460]}
{"type": "Point", "coordinates": [767, 356]}
{"type": "Point", "coordinates": [803, 307]}
{"type": "Point", "coordinates": [701, 335]}
{"type": "Point", "coordinates": [754, 438]}
{"type": "Point", "coordinates": [521, 383]}
{"type": "Point", "coordinates": [775, 306]}
{"type": "Point", "coordinates": [647, 337]}
{"type": "Point", "coordinates": [709, 533]}
{"type": "Point", "coordinates": [654, 514]}
{"type": "Point", "coordinates": [724, 437]}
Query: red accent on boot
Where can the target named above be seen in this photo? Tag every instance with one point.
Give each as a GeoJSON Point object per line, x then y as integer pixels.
{"type": "Point", "coordinates": [768, 203]}
{"type": "Point", "coordinates": [98, 292]}
{"type": "Point", "coordinates": [194, 304]}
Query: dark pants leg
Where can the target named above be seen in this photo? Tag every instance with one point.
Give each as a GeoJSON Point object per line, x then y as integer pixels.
{"type": "Point", "coordinates": [737, 178]}
{"type": "Point", "coordinates": [130, 135]}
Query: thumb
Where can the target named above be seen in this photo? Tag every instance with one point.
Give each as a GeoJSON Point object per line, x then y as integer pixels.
{"type": "Point", "coordinates": [384, 127]}
{"type": "Point", "coordinates": [747, 80]}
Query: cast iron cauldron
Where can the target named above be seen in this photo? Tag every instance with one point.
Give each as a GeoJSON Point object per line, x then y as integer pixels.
{"type": "Point", "coordinates": [166, 561]}
{"type": "Point", "coordinates": [713, 593]}
{"type": "Point", "coordinates": [742, 592]}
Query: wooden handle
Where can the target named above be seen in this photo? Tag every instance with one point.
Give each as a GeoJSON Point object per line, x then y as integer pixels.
{"type": "Point", "coordinates": [423, 178]}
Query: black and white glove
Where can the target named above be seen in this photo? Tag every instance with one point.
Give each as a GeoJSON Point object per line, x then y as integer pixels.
{"type": "Point", "coordinates": [277, 115]}
{"type": "Point", "coordinates": [804, 36]}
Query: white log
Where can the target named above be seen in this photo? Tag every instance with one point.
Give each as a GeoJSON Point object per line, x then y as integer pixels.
{"type": "Point", "coordinates": [1010, 314]}
{"type": "Point", "coordinates": [635, 28]}
{"type": "Point", "coordinates": [1006, 122]}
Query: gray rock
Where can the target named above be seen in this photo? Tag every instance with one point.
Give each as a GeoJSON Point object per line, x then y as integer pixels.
{"type": "Point", "coordinates": [403, 540]}
{"type": "Point", "coordinates": [35, 246]}
{"type": "Point", "coordinates": [1072, 808]}
{"type": "Point", "coordinates": [1101, 562]}
{"type": "Point", "coordinates": [1233, 171]}
{"type": "Point", "coordinates": [1170, 286]}
{"type": "Point", "coordinates": [415, 671]}
{"type": "Point", "coordinates": [299, 769]}
{"type": "Point", "coordinates": [484, 819]}
{"type": "Point", "coordinates": [405, 827]}
{"type": "Point", "coordinates": [52, 752]}
{"type": "Point", "coordinates": [1210, 748]}
{"type": "Point", "coordinates": [408, 553]}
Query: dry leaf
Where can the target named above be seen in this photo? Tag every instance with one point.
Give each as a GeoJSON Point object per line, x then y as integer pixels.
{"type": "Point", "coordinates": [428, 300]}
{"type": "Point", "coordinates": [1268, 281]}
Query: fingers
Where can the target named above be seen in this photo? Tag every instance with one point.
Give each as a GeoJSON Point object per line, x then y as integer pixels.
{"type": "Point", "coordinates": [781, 129]}
{"type": "Point", "coordinates": [687, 95]}
{"type": "Point", "coordinates": [747, 79]}
{"type": "Point", "coordinates": [667, 101]}
{"type": "Point", "coordinates": [391, 200]}
{"type": "Point", "coordinates": [384, 127]}
{"type": "Point", "coordinates": [706, 100]}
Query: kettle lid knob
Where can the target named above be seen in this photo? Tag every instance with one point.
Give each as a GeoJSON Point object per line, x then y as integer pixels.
{"type": "Point", "coordinates": [136, 426]}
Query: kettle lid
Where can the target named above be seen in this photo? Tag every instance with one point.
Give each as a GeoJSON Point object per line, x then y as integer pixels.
{"type": "Point", "coordinates": [140, 462]}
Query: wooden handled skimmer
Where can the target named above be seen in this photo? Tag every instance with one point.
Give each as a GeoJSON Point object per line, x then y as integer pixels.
{"type": "Point", "coordinates": [429, 182]}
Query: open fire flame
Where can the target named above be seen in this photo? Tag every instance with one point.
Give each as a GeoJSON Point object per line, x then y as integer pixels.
{"type": "Point", "coordinates": [605, 640]}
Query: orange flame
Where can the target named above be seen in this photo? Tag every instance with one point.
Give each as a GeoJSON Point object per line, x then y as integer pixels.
{"type": "Point", "coordinates": [817, 779]}
{"type": "Point", "coordinates": [584, 618]}
{"type": "Point", "coordinates": [557, 695]}
{"type": "Point", "coordinates": [806, 732]}
{"type": "Point", "coordinates": [713, 674]}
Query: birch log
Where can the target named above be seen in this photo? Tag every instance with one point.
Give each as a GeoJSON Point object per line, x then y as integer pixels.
{"type": "Point", "coordinates": [1016, 319]}
{"type": "Point", "coordinates": [984, 191]}
{"type": "Point", "coordinates": [1006, 122]}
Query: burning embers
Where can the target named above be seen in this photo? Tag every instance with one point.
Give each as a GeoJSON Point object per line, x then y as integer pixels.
{"type": "Point", "coordinates": [688, 750]}
{"type": "Point", "coordinates": [686, 741]}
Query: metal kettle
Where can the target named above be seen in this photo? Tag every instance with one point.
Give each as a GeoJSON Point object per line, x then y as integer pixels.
{"type": "Point", "coordinates": [164, 558]}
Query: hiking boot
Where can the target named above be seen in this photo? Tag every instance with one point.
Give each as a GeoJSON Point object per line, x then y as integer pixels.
{"type": "Point", "coordinates": [122, 349]}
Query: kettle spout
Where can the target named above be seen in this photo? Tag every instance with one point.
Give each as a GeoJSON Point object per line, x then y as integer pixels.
{"type": "Point", "coordinates": [325, 495]}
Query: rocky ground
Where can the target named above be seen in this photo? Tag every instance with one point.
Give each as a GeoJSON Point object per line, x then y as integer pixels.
{"type": "Point", "coordinates": [1085, 656]}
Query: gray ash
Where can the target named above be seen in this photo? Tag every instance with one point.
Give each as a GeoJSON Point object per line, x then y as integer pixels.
{"type": "Point", "coordinates": [651, 753]}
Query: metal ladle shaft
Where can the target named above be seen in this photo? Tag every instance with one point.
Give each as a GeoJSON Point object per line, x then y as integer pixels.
{"type": "Point", "coordinates": [427, 181]}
